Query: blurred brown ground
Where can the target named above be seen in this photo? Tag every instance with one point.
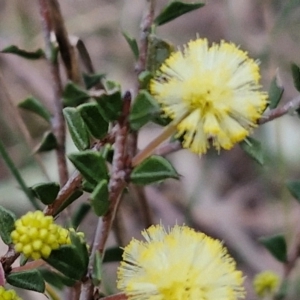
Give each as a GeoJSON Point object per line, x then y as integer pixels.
{"type": "Point", "coordinates": [228, 195]}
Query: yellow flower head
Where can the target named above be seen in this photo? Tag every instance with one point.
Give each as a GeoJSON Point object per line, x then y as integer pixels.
{"type": "Point", "coordinates": [36, 235]}
{"type": "Point", "coordinates": [211, 93]}
{"type": "Point", "coordinates": [8, 294]}
{"type": "Point", "coordinates": [178, 264]}
{"type": "Point", "coordinates": [265, 283]}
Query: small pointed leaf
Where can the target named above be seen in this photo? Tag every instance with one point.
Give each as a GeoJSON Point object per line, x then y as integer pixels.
{"type": "Point", "coordinates": [174, 10]}
{"type": "Point", "coordinates": [99, 198]}
{"type": "Point", "coordinates": [132, 44]}
{"type": "Point", "coordinates": [294, 189]}
{"type": "Point", "coordinates": [253, 148]}
{"type": "Point", "coordinates": [29, 280]}
{"type": "Point", "coordinates": [110, 103]}
{"type": "Point", "coordinates": [277, 246]}
{"type": "Point", "coordinates": [34, 105]}
{"type": "Point", "coordinates": [7, 224]}
{"type": "Point", "coordinates": [153, 169]}
{"type": "Point", "coordinates": [144, 109]}
{"type": "Point", "coordinates": [91, 165]}
{"type": "Point", "coordinates": [144, 79]}
{"type": "Point", "coordinates": [67, 260]}
{"type": "Point", "coordinates": [159, 51]}
{"type": "Point", "coordinates": [56, 279]}
{"type": "Point", "coordinates": [46, 192]}
{"type": "Point", "coordinates": [97, 269]}
{"type": "Point", "coordinates": [47, 143]}
{"type": "Point", "coordinates": [74, 95]}
{"type": "Point", "coordinates": [81, 247]}
{"type": "Point", "coordinates": [275, 92]}
{"type": "Point", "coordinates": [113, 255]}
{"type": "Point", "coordinates": [296, 76]}
{"type": "Point", "coordinates": [91, 80]}
{"type": "Point", "coordinates": [93, 119]}
{"type": "Point", "coordinates": [74, 196]}
{"type": "Point", "coordinates": [77, 128]}
{"type": "Point", "coordinates": [39, 53]}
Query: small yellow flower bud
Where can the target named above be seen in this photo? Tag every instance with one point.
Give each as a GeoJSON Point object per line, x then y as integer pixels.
{"type": "Point", "coordinates": [265, 283]}
{"type": "Point", "coordinates": [8, 294]}
{"type": "Point", "coordinates": [36, 235]}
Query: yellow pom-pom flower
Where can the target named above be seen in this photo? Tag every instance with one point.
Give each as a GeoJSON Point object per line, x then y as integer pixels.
{"type": "Point", "coordinates": [266, 283]}
{"type": "Point", "coordinates": [36, 235]}
{"type": "Point", "coordinates": [212, 94]}
{"type": "Point", "coordinates": [178, 264]}
{"type": "Point", "coordinates": [8, 294]}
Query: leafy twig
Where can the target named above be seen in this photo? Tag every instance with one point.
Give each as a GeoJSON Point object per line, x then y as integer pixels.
{"type": "Point", "coordinates": [278, 112]}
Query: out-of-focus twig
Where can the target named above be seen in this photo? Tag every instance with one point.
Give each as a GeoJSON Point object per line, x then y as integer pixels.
{"type": "Point", "coordinates": [58, 123]}
{"type": "Point", "coordinates": [67, 52]}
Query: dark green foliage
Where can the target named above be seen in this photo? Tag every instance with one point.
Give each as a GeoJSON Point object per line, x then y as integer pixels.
{"type": "Point", "coordinates": [153, 169]}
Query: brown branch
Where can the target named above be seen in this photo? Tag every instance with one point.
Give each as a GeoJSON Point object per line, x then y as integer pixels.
{"type": "Point", "coordinates": [58, 124]}
{"type": "Point", "coordinates": [9, 258]}
{"type": "Point", "coordinates": [289, 107]}
{"type": "Point", "coordinates": [116, 186]}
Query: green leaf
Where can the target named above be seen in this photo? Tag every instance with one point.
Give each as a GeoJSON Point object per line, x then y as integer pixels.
{"type": "Point", "coordinates": [91, 165]}
{"type": "Point", "coordinates": [296, 76]}
{"type": "Point", "coordinates": [294, 189]}
{"type": "Point", "coordinates": [110, 102]}
{"type": "Point", "coordinates": [39, 53]}
{"type": "Point", "coordinates": [113, 255]}
{"type": "Point", "coordinates": [7, 224]}
{"type": "Point", "coordinates": [159, 51]}
{"type": "Point", "coordinates": [81, 247]}
{"type": "Point", "coordinates": [91, 80]}
{"type": "Point", "coordinates": [99, 198]}
{"type": "Point", "coordinates": [132, 44]}
{"type": "Point", "coordinates": [77, 128]}
{"type": "Point", "coordinates": [253, 148]}
{"type": "Point", "coordinates": [56, 279]}
{"type": "Point", "coordinates": [153, 169]}
{"type": "Point", "coordinates": [34, 105]}
{"type": "Point", "coordinates": [74, 196]}
{"type": "Point", "coordinates": [275, 92]}
{"type": "Point", "coordinates": [97, 269]}
{"type": "Point", "coordinates": [46, 192]}
{"type": "Point", "coordinates": [14, 170]}
{"type": "Point", "coordinates": [28, 280]}
{"type": "Point", "coordinates": [144, 79]}
{"type": "Point", "coordinates": [74, 95]}
{"type": "Point", "coordinates": [81, 212]}
{"type": "Point", "coordinates": [174, 10]}
{"type": "Point", "coordinates": [277, 246]}
{"type": "Point", "coordinates": [92, 117]}
{"type": "Point", "coordinates": [68, 261]}
{"type": "Point", "coordinates": [47, 143]}
{"type": "Point", "coordinates": [144, 109]}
